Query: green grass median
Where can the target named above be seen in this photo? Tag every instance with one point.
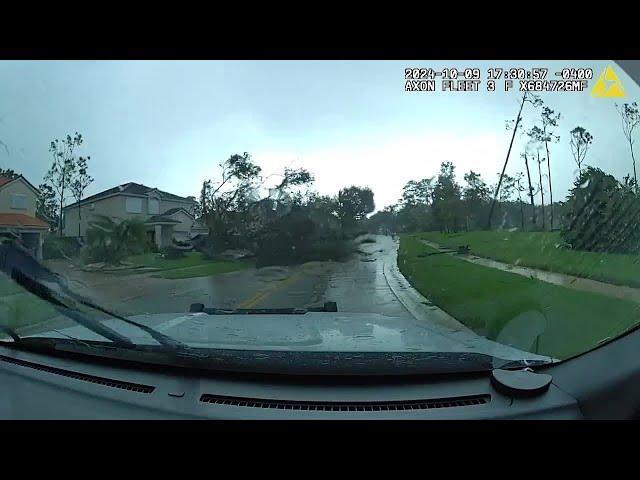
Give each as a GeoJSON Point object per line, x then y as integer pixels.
{"type": "Point", "coordinates": [19, 308]}
{"type": "Point", "coordinates": [540, 250]}
{"type": "Point", "coordinates": [486, 300]}
{"type": "Point", "coordinates": [193, 264]}
{"type": "Point", "coordinates": [204, 270]}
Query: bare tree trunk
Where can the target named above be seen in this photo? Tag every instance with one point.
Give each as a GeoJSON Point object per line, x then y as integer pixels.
{"type": "Point", "coordinates": [541, 190]}
{"type": "Point", "coordinates": [533, 206]}
{"type": "Point", "coordinates": [633, 159]}
{"type": "Point", "coordinates": [79, 219]}
{"type": "Point", "coordinates": [60, 215]}
{"type": "Point", "coordinates": [504, 167]}
{"type": "Point", "coordinates": [521, 213]}
{"type": "Point", "coordinates": [550, 189]}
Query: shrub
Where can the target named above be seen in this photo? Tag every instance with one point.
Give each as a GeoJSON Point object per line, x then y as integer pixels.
{"type": "Point", "coordinates": [294, 239]}
{"type": "Point", "coordinates": [172, 253]}
{"type": "Point", "coordinates": [110, 241]}
{"type": "Point", "coordinates": [602, 214]}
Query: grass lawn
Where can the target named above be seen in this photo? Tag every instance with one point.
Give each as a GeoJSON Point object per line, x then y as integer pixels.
{"type": "Point", "coordinates": [19, 308]}
{"type": "Point", "coordinates": [193, 264]}
{"type": "Point", "coordinates": [154, 260]}
{"type": "Point", "coordinates": [538, 250]}
{"type": "Point", "coordinates": [486, 300]}
{"type": "Point", "coordinates": [205, 269]}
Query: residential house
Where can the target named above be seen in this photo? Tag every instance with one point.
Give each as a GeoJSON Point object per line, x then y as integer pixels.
{"type": "Point", "coordinates": [167, 216]}
{"type": "Point", "coordinates": [18, 200]}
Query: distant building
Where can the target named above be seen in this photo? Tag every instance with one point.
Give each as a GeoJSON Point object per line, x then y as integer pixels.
{"type": "Point", "coordinates": [18, 199]}
{"type": "Point", "coordinates": [167, 216]}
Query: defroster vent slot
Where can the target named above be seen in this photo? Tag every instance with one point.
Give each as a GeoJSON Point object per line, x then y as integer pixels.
{"type": "Point", "coordinates": [376, 406]}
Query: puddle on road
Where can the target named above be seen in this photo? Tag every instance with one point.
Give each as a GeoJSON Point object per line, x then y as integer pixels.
{"type": "Point", "coordinates": [273, 274]}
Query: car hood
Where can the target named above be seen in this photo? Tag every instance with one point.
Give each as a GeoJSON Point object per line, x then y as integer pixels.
{"type": "Point", "coordinates": [311, 332]}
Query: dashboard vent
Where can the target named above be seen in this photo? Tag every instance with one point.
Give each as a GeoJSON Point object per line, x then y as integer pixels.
{"type": "Point", "coordinates": [107, 382]}
{"type": "Point", "coordinates": [346, 406]}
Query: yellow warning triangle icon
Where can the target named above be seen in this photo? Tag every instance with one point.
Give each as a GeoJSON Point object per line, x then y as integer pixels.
{"type": "Point", "coordinates": [608, 85]}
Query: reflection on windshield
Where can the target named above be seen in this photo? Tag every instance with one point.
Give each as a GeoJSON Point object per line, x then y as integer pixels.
{"type": "Point", "coordinates": [484, 207]}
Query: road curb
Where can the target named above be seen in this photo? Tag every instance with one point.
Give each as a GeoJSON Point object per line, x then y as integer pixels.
{"type": "Point", "coordinates": [417, 305]}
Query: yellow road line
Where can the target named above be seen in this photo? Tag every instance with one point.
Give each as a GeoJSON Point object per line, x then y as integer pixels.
{"type": "Point", "coordinates": [258, 297]}
{"type": "Point", "coordinates": [249, 302]}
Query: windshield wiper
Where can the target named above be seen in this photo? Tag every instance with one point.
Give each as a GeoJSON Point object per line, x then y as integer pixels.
{"type": "Point", "coordinates": [9, 331]}
{"type": "Point", "coordinates": [525, 363]}
{"type": "Point", "coordinates": [45, 293]}
{"type": "Point", "coordinates": [200, 308]}
{"type": "Point", "coordinates": [31, 275]}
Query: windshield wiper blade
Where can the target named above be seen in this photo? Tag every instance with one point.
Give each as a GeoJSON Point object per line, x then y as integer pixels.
{"type": "Point", "coordinates": [9, 331]}
{"type": "Point", "coordinates": [525, 363]}
{"type": "Point", "coordinates": [45, 293]}
{"type": "Point", "coordinates": [159, 337]}
{"type": "Point", "coordinates": [200, 308]}
{"type": "Point", "coordinates": [17, 264]}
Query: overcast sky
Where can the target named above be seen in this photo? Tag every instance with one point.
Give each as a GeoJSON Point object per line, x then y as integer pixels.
{"type": "Point", "coordinates": [168, 124]}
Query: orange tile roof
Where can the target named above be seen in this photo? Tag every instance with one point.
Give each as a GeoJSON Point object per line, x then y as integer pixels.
{"type": "Point", "coordinates": [21, 220]}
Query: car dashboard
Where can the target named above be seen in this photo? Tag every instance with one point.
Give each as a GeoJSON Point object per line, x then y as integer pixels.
{"type": "Point", "coordinates": [38, 386]}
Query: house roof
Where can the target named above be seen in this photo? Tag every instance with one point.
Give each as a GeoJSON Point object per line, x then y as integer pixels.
{"type": "Point", "coordinates": [5, 181]}
{"type": "Point", "coordinates": [131, 188]}
{"type": "Point", "coordinates": [171, 211]}
{"type": "Point", "coordinates": [160, 219]}
{"type": "Point", "coordinates": [21, 220]}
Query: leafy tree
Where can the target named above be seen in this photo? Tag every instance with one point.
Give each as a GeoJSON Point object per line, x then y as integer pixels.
{"type": "Point", "coordinates": [288, 192]}
{"type": "Point", "coordinates": [325, 204]}
{"type": "Point", "coordinates": [412, 218]}
{"type": "Point", "coordinates": [62, 169]}
{"type": "Point", "coordinates": [385, 221]}
{"type": "Point", "coordinates": [8, 173]}
{"type": "Point", "coordinates": [446, 198]}
{"type": "Point", "coordinates": [354, 203]}
{"type": "Point", "coordinates": [46, 206]}
{"type": "Point", "coordinates": [581, 140]}
{"type": "Point", "coordinates": [287, 239]}
{"type": "Point", "coordinates": [476, 189]}
{"type": "Point", "coordinates": [630, 115]}
{"type": "Point", "coordinates": [294, 178]}
{"type": "Point", "coordinates": [417, 192]}
{"type": "Point", "coordinates": [221, 201]}
{"type": "Point", "coordinates": [79, 184]}
{"type": "Point", "coordinates": [476, 196]}
{"type": "Point", "coordinates": [603, 214]}
{"type": "Point", "coordinates": [508, 188]}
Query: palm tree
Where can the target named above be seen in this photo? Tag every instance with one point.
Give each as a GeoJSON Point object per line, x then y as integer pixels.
{"type": "Point", "coordinates": [110, 240]}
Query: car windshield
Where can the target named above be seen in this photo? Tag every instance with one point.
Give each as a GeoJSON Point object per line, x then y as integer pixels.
{"type": "Point", "coordinates": [469, 213]}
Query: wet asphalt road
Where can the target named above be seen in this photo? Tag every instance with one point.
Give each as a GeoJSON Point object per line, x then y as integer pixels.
{"type": "Point", "coordinates": [358, 286]}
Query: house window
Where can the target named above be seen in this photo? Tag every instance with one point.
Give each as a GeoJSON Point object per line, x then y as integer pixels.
{"type": "Point", "coordinates": [134, 205]}
{"type": "Point", "coordinates": [154, 206]}
{"type": "Point", "coordinates": [18, 202]}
